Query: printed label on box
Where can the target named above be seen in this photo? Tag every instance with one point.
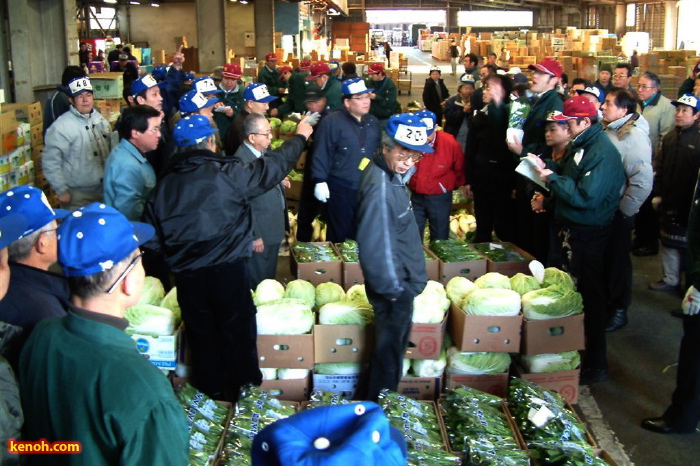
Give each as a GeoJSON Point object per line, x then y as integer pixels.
{"type": "Point", "coordinates": [161, 351]}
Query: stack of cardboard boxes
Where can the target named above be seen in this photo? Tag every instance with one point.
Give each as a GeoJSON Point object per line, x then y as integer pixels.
{"type": "Point", "coordinates": [21, 125]}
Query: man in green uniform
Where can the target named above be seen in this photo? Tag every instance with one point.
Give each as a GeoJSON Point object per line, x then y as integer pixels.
{"type": "Point", "coordinates": [230, 94]}
{"type": "Point", "coordinates": [270, 76]}
{"type": "Point", "coordinates": [82, 378]}
{"type": "Point", "coordinates": [332, 90]}
{"type": "Point", "coordinates": [296, 80]}
{"type": "Point", "coordinates": [384, 93]}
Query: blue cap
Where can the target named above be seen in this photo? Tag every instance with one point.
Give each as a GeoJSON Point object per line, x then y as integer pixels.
{"type": "Point", "coordinates": [192, 101]}
{"type": "Point", "coordinates": [339, 435]}
{"type": "Point", "coordinates": [409, 131]}
{"type": "Point", "coordinates": [204, 85]}
{"type": "Point", "coordinates": [429, 118]}
{"type": "Point", "coordinates": [79, 85]}
{"type": "Point", "coordinates": [257, 92]}
{"type": "Point", "coordinates": [160, 72]}
{"type": "Point", "coordinates": [142, 84]}
{"type": "Point", "coordinates": [30, 202]}
{"type": "Point", "coordinates": [687, 99]}
{"type": "Point", "coordinates": [594, 91]}
{"type": "Point", "coordinates": [355, 86]}
{"type": "Point", "coordinates": [192, 130]}
{"type": "Point", "coordinates": [97, 237]}
{"type": "Point", "coordinates": [189, 75]}
{"type": "Point", "coordinates": [11, 228]}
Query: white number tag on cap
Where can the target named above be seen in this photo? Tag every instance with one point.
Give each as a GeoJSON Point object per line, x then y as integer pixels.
{"type": "Point", "coordinates": [206, 85]}
{"type": "Point", "coordinates": [689, 100]}
{"type": "Point", "coordinates": [260, 92]}
{"type": "Point", "coordinates": [77, 85]}
{"type": "Point", "coordinates": [149, 81]}
{"type": "Point", "coordinates": [428, 122]}
{"type": "Point", "coordinates": [199, 100]}
{"type": "Point", "coordinates": [357, 87]}
{"type": "Point", "coordinates": [416, 136]}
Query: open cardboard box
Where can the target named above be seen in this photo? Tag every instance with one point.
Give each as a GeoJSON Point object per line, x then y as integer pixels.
{"type": "Point", "coordinates": [495, 384]}
{"type": "Point", "coordinates": [510, 268]}
{"type": "Point", "coordinates": [290, 390]}
{"type": "Point", "coordinates": [317, 272]}
{"type": "Point", "coordinates": [467, 269]}
{"type": "Point", "coordinates": [293, 351]}
{"type": "Point", "coordinates": [564, 383]}
{"type": "Point", "coordinates": [499, 334]}
{"type": "Point", "coordinates": [343, 343]}
{"type": "Point", "coordinates": [432, 267]}
{"type": "Point", "coordinates": [553, 335]}
{"type": "Point", "coordinates": [421, 388]}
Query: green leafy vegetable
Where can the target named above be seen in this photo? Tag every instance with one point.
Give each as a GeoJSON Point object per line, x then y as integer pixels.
{"type": "Point", "coordinates": [523, 283]}
{"type": "Point", "coordinates": [268, 290]}
{"type": "Point", "coordinates": [492, 302]}
{"type": "Point", "coordinates": [554, 276]}
{"type": "Point", "coordinates": [346, 312]}
{"type": "Point", "coordinates": [328, 292]}
{"type": "Point", "coordinates": [552, 362]}
{"type": "Point", "coordinates": [286, 316]}
{"type": "Point", "coordinates": [552, 302]}
{"type": "Point", "coordinates": [301, 289]}
{"type": "Point", "coordinates": [147, 319]}
{"type": "Point", "coordinates": [493, 280]}
{"type": "Point", "coordinates": [477, 363]}
{"type": "Point", "coordinates": [153, 291]}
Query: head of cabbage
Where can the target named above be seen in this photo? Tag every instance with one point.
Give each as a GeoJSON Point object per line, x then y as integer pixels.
{"type": "Point", "coordinates": [285, 316]}
{"type": "Point", "coordinates": [458, 288]}
{"type": "Point", "coordinates": [477, 363]}
{"type": "Point", "coordinates": [345, 312]}
{"type": "Point", "coordinates": [492, 302]}
{"type": "Point", "coordinates": [552, 362]}
{"type": "Point", "coordinates": [357, 293]}
{"type": "Point", "coordinates": [328, 292]}
{"type": "Point", "coordinates": [554, 276]}
{"type": "Point", "coordinates": [153, 291]}
{"type": "Point", "coordinates": [552, 302]}
{"type": "Point", "coordinates": [268, 290]}
{"type": "Point", "coordinates": [493, 280]}
{"type": "Point", "coordinates": [301, 289]}
{"type": "Point", "coordinates": [523, 283]}
{"type": "Point", "coordinates": [431, 305]}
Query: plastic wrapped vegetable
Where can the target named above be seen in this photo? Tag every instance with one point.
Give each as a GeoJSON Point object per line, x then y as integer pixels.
{"type": "Point", "coordinates": [564, 453]}
{"type": "Point", "coordinates": [552, 362]}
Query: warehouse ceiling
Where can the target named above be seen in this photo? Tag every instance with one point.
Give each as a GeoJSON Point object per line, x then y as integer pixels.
{"type": "Point", "coordinates": [497, 4]}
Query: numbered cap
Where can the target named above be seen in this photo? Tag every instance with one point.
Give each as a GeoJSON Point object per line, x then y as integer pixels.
{"type": "Point", "coordinates": [192, 101]}
{"type": "Point", "coordinates": [258, 92]}
{"type": "Point", "coordinates": [271, 56]}
{"type": "Point", "coordinates": [689, 100]}
{"type": "Point", "coordinates": [305, 65]}
{"type": "Point", "coordinates": [192, 130]}
{"type": "Point", "coordinates": [429, 118]}
{"type": "Point", "coordinates": [577, 107]}
{"type": "Point", "coordinates": [204, 85]}
{"type": "Point", "coordinates": [409, 131]}
{"type": "Point", "coordinates": [435, 68]}
{"type": "Point", "coordinates": [79, 85]}
{"type": "Point", "coordinates": [284, 69]}
{"type": "Point", "coordinates": [549, 66]}
{"type": "Point", "coordinates": [354, 86]}
{"type": "Point", "coordinates": [592, 90]}
{"type": "Point", "coordinates": [467, 78]}
{"type": "Point", "coordinates": [143, 84]}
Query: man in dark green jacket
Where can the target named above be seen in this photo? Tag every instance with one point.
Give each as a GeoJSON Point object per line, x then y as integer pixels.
{"type": "Point", "coordinates": [270, 76]}
{"type": "Point", "coordinates": [384, 94]}
{"type": "Point", "coordinates": [296, 81]}
{"type": "Point", "coordinates": [81, 377]}
{"type": "Point", "coordinates": [587, 188]}
{"type": "Point", "coordinates": [331, 87]}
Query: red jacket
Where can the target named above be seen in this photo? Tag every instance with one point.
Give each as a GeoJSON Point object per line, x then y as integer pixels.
{"type": "Point", "coordinates": [443, 170]}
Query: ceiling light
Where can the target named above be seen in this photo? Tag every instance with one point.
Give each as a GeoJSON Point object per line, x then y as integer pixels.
{"type": "Point", "coordinates": [244, 2]}
{"type": "Point", "coordinates": [110, 1]}
{"type": "Point", "coordinates": [155, 5]}
{"type": "Point", "coordinates": [134, 3]}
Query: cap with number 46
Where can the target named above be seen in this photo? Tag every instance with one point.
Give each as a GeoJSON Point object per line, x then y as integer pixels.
{"type": "Point", "coordinates": [409, 131]}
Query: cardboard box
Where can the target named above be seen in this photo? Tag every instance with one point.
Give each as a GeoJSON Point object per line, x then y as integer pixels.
{"type": "Point", "coordinates": [317, 272]}
{"type": "Point", "coordinates": [421, 388]}
{"type": "Point", "coordinates": [468, 269]}
{"type": "Point", "coordinates": [563, 382]}
{"type": "Point", "coordinates": [293, 351]}
{"type": "Point", "coordinates": [290, 390]}
{"type": "Point", "coordinates": [352, 275]}
{"type": "Point", "coordinates": [552, 335]}
{"type": "Point", "coordinates": [23, 134]}
{"type": "Point", "coordinates": [344, 386]}
{"type": "Point", "coordinates": [36, 135]}
{"type": "Point", "coordinates": [107, 85]}
{"type": "Point", "coordinates": [27, 112]}
{"type": "Point", "coordinates": [425, 340]}
{"type": "Point", "coordinates": [294, 190]}
{"type": "Point", "coordinates": [301, 162]}
{"type": "Point", "coordinates": [509, 268]}
{"type": "Point", "coordinates": [343, 343]}
{"type": "Point", "coordinates": [161, 351]}
{"type": "Point", "coordinates": [495, 384]}
{"type": "Point", "coordinates": [432, 267]}
{"type": "Point", "coordinates": [484, 333]}
{"type": "Point", "coordinates": [8, 133]}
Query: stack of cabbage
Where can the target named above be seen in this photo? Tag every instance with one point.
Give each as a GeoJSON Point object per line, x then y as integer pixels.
{"type": "Point", "coordinates": [430, 307]}
{"type": "Point", "coordinates": [256, 409]}
{"type": "Point", "coordinates": [420, 426]}
{"type": "Point", "coordinates": [156, 314]}
{"type": "Point", "coordinates": [206, 421]}
{"type": "Point", "coordinates": [553, 434]}
{"type": "Point", "coordinates": [477, 426]}
{"type": "Point", "coordinates": [425, 367]}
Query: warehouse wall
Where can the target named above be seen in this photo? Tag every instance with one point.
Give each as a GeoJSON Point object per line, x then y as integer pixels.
{"type": "Point", "coordinates": [240, 19]}
{"type": "Point", "coordinates": [161, 26]}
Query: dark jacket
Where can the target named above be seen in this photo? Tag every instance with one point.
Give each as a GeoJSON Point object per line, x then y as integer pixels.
{"type": "Point", "coordinates": [676, 173]}
{"type": "Point", "coordinates": [686, 87]}
{"type": "Point", "coordinates": [489, 163]}
{"type": "Point", "coordinates": [384, 104]}
{"type": "Point", "coordinates": [533, 139]}
{"type": "Point", "coordinates": [33, 295]}
{"type": "Point", "coordinates": [693, 269]}
{"type": "Point", "coordinates": [454, 115]}
{"type": "Point", "coordinates": [333, 92]}
{"type": "Point", "coordinates": [235, 134]}
{"type": "Point", "coordinates": [390, 247]}
{"type": "Point", "coordinates": [432, 100]}
{"type": "Point", "coordinates": [296, 95]}
{"type": "Point", "coordinates": [271, 78]}
{"type": "Point", "coordinates": [233, 99]}
{"type": "Point", "coordinates": [588, 182]}
{"type": "Point", "coordinates": [201, 208]}
{"type": "Point", "coordinates": [340, 144]}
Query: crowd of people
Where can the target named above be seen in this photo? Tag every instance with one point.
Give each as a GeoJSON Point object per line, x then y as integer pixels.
{"type": "Point", "coordinates": [192, 160]}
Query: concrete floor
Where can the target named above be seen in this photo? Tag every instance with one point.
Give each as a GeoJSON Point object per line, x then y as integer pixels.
{"type": "Point", "coordinates": [642, 356]}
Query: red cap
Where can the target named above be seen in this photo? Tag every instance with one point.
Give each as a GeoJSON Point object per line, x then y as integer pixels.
{"type": "Point", "coordinates": [271, 56]}
{"type": "Point", "coordinates": [696, 68]}
{"type": "Point", "coordinates": [231, 70]}
{"type": "Point", "coordinates": [284, 69]}
{"type": "Point", "coordinates": [577, 107]}
{"type": "Point", "coordinates": [304, 65]}
{"type": "Point", "coordinates": [375, 68]}
{"type": "Point", "coordinates": [318, 69]}
{"type": "Point", "coordinates": [549, 66]}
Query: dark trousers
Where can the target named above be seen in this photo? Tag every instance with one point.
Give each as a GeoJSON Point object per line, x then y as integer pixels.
{"type": "Point", "coordinates": [263, 265]}
{"type": "Point", "coordinates": [524, 217]}
{"type": "Point", "coordinates": [392, 323]}
{"type": "Point", "coordinates": [684, 412]}
{"type": "Point", "coordinates": [646, 226]}
{"type": "Point", "coordinates": [436, 209]}
{"type": "Point", "coordinates": [309, 208]}
{"type": "Point", "coordinates": [494, 210]}
{"type": "Point", "coordinates": [618, 265]}
{"type": "Point", "coordinates": [155, 266]}
{"type": "Point", "coordinates": [220, 326]}
{"type": "Point", "coordinates": [342, 213]}
{"type": "Point", "coordinates": [584, 258]}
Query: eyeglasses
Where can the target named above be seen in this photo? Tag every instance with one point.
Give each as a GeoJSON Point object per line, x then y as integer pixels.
{"type": "Point", "coordinates": [154, 130]}
{"type": "Point", "coordinates": [639, 86]}
{"type": "Point", "coordinates": [404, 157]}
{"type": "Point", "coordinates": [361, 97]}
{"type": "Point", "coordinates": [620, 76]}
{"type": "Point", "coordinates": [126, 271]}
{"type": "Point", "coordinates": [268, 134]}
{"type": "Point", "coordinates": [49, 231]}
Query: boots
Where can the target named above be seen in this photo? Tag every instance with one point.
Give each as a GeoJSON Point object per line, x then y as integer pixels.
{"type": "Point", "coordinates": [617, 320]}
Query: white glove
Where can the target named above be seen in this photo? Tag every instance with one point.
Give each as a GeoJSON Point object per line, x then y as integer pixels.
{"type": "Point", "coordinates": [691, 302]}
{"type": "Point", "coordinates": [656, 202]}
{"type": "Point", "coordinates": [312, 118]}
{"type": "Point", "coordinates": [321, 192]}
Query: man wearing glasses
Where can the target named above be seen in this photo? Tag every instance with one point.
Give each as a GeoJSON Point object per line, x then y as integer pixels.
{"type": "Point", "coordinates": [390, 246]}
{"type": "Point", "coordinates": [34, 293]}
{"type": "Point", "coordinates": [343, 146]}
{"type": "Point", "coordinates": [270, 208]}
{"type": "Point", "coordinates": [622, 77]}
{"type": "Point", "coordinates": [660, 114]}
{"type": "Point", "coordinates": [121, 407]}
